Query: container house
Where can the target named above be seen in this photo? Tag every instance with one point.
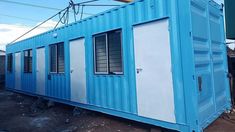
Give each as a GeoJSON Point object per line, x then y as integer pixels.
{"type": "Point", "coordinates": [160, 62]}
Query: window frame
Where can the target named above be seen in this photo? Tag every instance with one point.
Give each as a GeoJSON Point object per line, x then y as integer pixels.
{"type": "Point", "coordinates": [50, 69]}
{"type": "Point", "coordinates": [107, 52]}
{"type": "Point", "coordinates": [57, 62]}
{"type": "Point", "coordinates": [10, 55]}
{"type": "Point", "coordinates": [28, 64]}
{"type": "Point", "coordinates": [59, 72]}
{"type": "Point", "coordinates": [106, 48]}
{"type": "Point", "coordinates": [122, 60]}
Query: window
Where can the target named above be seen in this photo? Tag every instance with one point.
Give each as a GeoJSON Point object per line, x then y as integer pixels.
{"type": "Point", "coordinates": [108, 53]}
{"type": "Point", "coordinates": [101, 54]}
{"type": "Point", "coordinates": [28, 57]}
{"type": "Point", "coordinates": [57, 58]}
{"type": "Point", "coordinates": [9, 62]}
{"type": "Point", "coordinates": [114, 51]}
{"type": "Point", "coordinates": [53, 58]}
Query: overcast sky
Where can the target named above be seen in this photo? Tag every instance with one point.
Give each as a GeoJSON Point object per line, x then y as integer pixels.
{"type": "Point", "coordinates": [17, 19]}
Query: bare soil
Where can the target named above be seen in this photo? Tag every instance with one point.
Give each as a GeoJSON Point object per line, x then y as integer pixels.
{"type": "Point", "coordinates": [21, 113]}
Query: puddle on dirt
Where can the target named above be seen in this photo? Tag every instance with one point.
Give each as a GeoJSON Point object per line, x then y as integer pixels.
{"type": "Point", "coordinates": [40, 121]}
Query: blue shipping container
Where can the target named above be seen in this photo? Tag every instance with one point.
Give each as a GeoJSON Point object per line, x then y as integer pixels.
{"type": "Point", "coordinates": [161, 62]}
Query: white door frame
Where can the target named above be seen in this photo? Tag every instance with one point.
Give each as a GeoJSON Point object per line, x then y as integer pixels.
{"type": "Point", "coordinates": [78, 71]}
{"type": "Point", "coordinates": [155, 94]}
{"type": "Point", "coordinates": [40, 71]}
{"type": "Point", "coordinates": [18, 70]}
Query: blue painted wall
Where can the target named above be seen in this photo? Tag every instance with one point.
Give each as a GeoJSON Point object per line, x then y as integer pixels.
{"type": "Point", "coordinates": [109, 91]}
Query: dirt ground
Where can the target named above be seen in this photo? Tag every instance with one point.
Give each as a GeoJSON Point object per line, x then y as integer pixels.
{"type": "Point", "coordinates": [21, 113]}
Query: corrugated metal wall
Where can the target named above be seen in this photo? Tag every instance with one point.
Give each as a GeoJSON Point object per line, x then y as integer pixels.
{"type": "Point", "coordinates": [118, 91]}
{"type": "Point", "coordinates": [210, 59]}
{"type": "Point", "coordinates": [108, 91]}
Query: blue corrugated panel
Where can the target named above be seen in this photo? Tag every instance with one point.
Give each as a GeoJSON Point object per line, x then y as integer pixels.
{"type": "Point", "coordinates": [9, 80]}
{"type": "Point", "coordinates": [210, 59]}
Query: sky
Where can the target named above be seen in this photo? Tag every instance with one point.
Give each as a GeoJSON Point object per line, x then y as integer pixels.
{"type": "Point", "coordinates": [219, 1]}
{"type": "Point", "coordinates": [17, 19]}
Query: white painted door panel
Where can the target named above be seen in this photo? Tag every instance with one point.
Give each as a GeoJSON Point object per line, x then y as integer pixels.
{"type": "Point", "coordinates": [153, 71]}
{"type": "Point", "coordinates": [78, 71]}
{"type": "Point", "coordinates": [18, 71]}
{"type": "Point", "coordinates": [41, 71]}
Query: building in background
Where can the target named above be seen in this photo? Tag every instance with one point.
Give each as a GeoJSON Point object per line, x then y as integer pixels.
{"type": "Point", "coordinates": [2, 66]}
{"type": "Point", "coordinates": [230, 19]}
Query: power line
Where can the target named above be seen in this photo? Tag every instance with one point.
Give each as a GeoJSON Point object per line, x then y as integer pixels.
{"type": "Point", "coordinates": [34, 28]}
{"type": "Point", "coordinates": [37, 6]}
{"type": "Point", "coordinates": [34, 20]}
{"type": "Point", "coordinates": [32, 5]}
{"type": "Point", "coordinates": [22, 18]}
{"type": "Point", "coordinates": [82, 12]}
{"type": "Point", "coordinates": [98, 5]}
{"type": "Point", "coordinates": [64, 18]}
{"type": "Point", "coordinates": [65, 9]}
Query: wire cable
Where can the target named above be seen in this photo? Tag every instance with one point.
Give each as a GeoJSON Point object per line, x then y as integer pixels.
{"type": "Point", "coordinates": [86, 2]}
{"type": "Point", "coordinates": [98, 5]}
{"type": "Point", "coordinates": [37, 6]}
{"type": "Point", "coordinates": [34, 28]}
{"type": "Point", "coordinates": [82, 12]}
{"type": "Point", "coordinates": [31, 5]}
{"type": "Point", "coordinates": [71, 3]}
{"type": "Point", "coordinates": [22, 18]}
{"type": "Point", "coordinates": [47, 20]}
{"type": "Point", "coordinates": [60, 19]}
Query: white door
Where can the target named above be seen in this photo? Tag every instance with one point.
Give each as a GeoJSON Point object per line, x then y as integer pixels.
{"type": "Point", "coordinates": [78, 71]}
{"type": "Point", "coordinates": [18, 71]}
{"type": "Point", "coordinates": [40, 87]}
{"type": "Point", "coordinates": [155, 97]}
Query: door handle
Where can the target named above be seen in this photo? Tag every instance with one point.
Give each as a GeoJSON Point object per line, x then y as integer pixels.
{"type": "Point", "coordinates": [71, 71]}
{"type": "Point", "coordinates": [138, 70]}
